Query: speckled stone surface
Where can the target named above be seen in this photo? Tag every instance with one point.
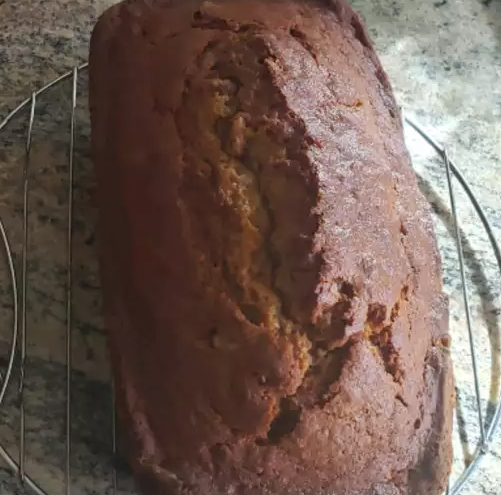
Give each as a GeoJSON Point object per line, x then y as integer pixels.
{"type": "Point", "coordinates": [444, 58]}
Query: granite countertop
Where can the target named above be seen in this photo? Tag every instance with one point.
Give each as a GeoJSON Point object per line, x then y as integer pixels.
{"type": "Point", "coordinates": [444, 58]}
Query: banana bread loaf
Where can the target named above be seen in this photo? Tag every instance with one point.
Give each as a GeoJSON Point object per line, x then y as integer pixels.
{"type": "Point", "coordinates": [272, 284]}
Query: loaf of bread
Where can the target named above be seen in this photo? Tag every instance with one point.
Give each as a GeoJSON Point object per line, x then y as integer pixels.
{"type": "Point", "coordinates": [272, 283]}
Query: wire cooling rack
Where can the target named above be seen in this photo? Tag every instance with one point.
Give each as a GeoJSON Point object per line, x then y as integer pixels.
{"type": "Point", "coordinates": [13, 375]}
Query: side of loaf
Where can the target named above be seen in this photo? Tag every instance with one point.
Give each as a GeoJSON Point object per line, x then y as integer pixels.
{"type": "Point", "coordinates": [272, 283]}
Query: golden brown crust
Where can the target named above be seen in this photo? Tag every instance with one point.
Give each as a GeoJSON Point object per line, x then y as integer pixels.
{"type": "Point", "coordinates": [271, 278]}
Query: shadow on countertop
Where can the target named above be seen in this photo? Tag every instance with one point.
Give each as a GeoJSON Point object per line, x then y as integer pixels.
{"type": "Point", "coordinates": [490, 315]}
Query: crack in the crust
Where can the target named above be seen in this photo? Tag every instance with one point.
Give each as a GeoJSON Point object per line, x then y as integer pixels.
{"type": "Point", "coordinates": [331, 369]}
{"type": "Point", "coordinates": [380, 336]}
{"type": "Point", "coordinates": [400, 399]}
{"type": "Point", "coordinates": [317, 389]}
{"type": "Point", "coordinates": [272, 255]}
{"type": "Point", "coordinates": [284, 423]}
{"type": "Point", "coordinates": [203, 21]}
{"type": "Point", "coordinates": [390, 357]}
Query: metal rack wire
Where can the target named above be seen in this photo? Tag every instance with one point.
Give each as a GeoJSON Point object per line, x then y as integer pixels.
{"type": "Point", "coordinates": [19, 284]}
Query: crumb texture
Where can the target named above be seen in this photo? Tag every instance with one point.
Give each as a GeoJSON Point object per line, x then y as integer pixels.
{"type": "Point", "coordinates": [272, 283]}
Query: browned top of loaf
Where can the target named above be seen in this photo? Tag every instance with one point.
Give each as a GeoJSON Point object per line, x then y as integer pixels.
{"type": "Point", "coordinates": [276, 288]}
